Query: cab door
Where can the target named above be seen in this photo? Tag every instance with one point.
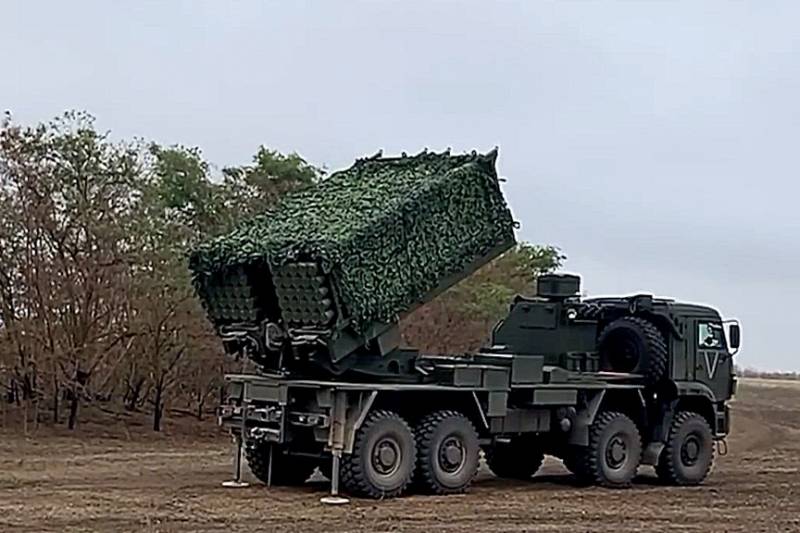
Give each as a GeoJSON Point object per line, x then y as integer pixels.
{"type": "Point", "coordinates": [713, 363]}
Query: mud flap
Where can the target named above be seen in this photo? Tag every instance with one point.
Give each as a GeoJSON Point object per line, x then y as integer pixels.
{"type": "Point", "coordinates": [580, 430]}
{"type": "Point", "coordinates": [651, 453]}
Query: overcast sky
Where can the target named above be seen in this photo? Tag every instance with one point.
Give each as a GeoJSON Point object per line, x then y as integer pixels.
{"type": "Point", "coordinates": [656, 144]}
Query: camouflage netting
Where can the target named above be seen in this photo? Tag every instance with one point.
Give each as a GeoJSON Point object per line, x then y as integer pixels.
{"type": "Point", "coordinates": [386, 233]}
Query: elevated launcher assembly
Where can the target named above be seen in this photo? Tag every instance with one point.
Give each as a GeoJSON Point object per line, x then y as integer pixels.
{"type": "Point", "coordinates": [327, 274]}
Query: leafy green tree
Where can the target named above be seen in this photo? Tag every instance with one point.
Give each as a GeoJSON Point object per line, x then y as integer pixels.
{"type": "Point", "coordinates": [259, 185]}
{"type": "Point", "coordinates": [179, 204]}
{"type": "Point", "coordinates": [180, 189]}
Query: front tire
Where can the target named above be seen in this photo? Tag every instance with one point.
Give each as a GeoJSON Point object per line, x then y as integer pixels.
{"type": "Point", "coordinates": [614, 451]}
{"type": "Point", "coordinates": [448, 452]}
{"type": "Point", "coordinates": [689, 452]}
{"type": "Point", "coordinates": [383, 459]}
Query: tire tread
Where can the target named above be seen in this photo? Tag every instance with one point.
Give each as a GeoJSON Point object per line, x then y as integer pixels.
{"type": "Point", "coordinates": [591, 469]}
{"type": "Point", "coordinates": [353, 476]}
{"type": "Point", "coordinates": [656, 365]}
{"type": "Point", "coordinates": [425, 477]}
{"type": "Point", "coordinates": [666, 469]}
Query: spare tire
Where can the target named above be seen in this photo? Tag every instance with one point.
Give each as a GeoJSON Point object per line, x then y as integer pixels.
{"type": "Point", "coordinates": [633, 345]}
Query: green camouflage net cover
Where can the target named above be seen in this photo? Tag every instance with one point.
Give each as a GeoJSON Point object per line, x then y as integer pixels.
{"type": "Point", "coordinates": [385, 234]}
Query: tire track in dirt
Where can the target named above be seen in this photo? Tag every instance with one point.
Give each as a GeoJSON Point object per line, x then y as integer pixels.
{"type": "Point", "coordinates": [107, 485]}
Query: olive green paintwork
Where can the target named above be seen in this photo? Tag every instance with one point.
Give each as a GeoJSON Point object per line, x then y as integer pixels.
{"type": "Point", "coordinates": [555, 327]}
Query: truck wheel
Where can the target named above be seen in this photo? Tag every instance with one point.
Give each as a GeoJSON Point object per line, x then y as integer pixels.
{"type": "Point", "coordinates": [286, 469]}
{"type": "Point", "coordinates": [383, 458]}
{"type": "Point", "coordinates": [633, 344]}
{"type": "Point", "coordinates": [520, 458]}
{"type": "Point", "coordinates": [689, 452]}
{"type": "Point", "coordinates": [448, 452]}
{"type": "Point", "coordinates": [614, 451]}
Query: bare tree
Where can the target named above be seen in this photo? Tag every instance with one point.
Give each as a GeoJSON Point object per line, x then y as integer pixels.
{"type": "Point", "coordinates": [72, 192]}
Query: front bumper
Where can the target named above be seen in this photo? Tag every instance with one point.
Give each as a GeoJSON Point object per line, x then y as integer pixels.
{"type": "Point", "coordinates": [722, 421]}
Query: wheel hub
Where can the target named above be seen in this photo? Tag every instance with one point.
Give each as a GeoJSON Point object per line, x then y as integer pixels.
{"type": "Point", "coordinates": [690, 451]}
{"type": "Point", "coordinates": [386, 456]}
{"type": "Point", "coordinates": [451, 455]}
{"type": "Point", "coordinates": [629, 356]}
{"type": "Point", "coordinates": [617, 452]}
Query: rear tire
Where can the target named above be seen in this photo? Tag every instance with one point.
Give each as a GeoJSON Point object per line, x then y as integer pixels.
{"type": "Point", "coordinates": [634, 345]}
{"type": "Point", "coordinates": [383, 459]}
{"type": "Point", "coordinates": [286, 469]}
{"type": "Point", "coordinates": [520, 458]}
{"type": "Point", "coordinates": [614, 451]}
{"type": "Point", "coordinates": [689, 452]}
{"type": "Point", "coordinates": [448, 452]}
{"type": "Point", "coordinates": [574, 461]}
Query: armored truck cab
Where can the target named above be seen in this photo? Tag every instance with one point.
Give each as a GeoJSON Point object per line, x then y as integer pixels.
{"type": "Point", "coordinates": [674, 347]}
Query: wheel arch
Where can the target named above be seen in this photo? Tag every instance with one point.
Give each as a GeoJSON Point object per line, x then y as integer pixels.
{"type": "Point", "coordinates": [629, 401]}
{"type": "Point", "coordinates": [412, 406]}
{"type": "Point", "coordinates": [701, 405]}
{"type": "Point", "coordinates": [415, 405]}
{"type": "Point", "coordinates": [697, 397]}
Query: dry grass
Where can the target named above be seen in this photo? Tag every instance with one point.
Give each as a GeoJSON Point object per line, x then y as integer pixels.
{"type": "Point", "coordinates": [106, 484]}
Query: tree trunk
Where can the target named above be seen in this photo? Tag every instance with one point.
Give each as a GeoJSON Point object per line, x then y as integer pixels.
{"type": "Point", "coordinates": [13, 392]}
{"type": "Point", "coordinates": [80, 380]}
{"type": "Point", "coordinates": [158, 408]}
{"type": "Point", "coordinates": [200, 405]}
{"type": "Point", "coordinates": [73, 409]}
{"type": "Point", "coordinates": [133, 394]}
{"type": "Point", "coordinates": [35, 415]}
{"type": "Point", "coordinates": [56, 406]}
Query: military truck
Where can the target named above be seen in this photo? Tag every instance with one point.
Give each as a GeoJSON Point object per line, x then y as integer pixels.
{"type": "Point", "coordinates": [605, 384]}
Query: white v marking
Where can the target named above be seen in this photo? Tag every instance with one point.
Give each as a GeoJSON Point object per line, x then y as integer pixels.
{"type": "Point", "coordinates": [711, 363]}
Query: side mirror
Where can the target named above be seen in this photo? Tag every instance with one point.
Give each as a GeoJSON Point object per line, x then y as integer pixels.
{"type": "Point", "coordinates": [735, 336]}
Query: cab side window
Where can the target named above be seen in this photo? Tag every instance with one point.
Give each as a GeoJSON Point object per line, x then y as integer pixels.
{"type": "Point", "coordinates": [710, 335]}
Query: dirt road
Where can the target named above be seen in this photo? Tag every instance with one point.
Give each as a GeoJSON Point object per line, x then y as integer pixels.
{"type": "Point", "coordinates": [172, 485]}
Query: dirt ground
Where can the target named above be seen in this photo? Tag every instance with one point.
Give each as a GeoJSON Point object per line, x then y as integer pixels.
{"type": "Point", "coordinates": [172, 484]}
